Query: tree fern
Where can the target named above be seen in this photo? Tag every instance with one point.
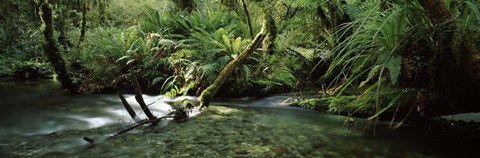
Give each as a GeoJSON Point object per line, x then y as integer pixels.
{"type": "Point", "coordinates": [209, 70]}
{"type": "Point", "coordinates": [245, 70]}
{"type": "Point", "coordinates": [284, 76]}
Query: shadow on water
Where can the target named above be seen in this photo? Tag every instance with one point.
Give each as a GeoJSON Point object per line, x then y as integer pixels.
{"type": "Point", "coordinates": [38, 119]}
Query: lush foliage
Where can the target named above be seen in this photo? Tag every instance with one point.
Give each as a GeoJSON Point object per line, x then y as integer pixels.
{"type": "Point", "coordinates": [177, 52]}
{"type": "Point", "coordinates": [379, 50]}
{"type": "Point", "coordinates": [382, 52]}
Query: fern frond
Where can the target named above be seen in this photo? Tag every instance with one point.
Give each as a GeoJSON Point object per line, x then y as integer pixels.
{"type": "Point", "coordinates": [284, 76]}
{"type": "Point", "coordinates": [371, 74]}
{"type": "Point", "coordinates": [209, 69]}
{"type": "Point", "coordinates": [157, 80]}
{"type": "Point", "coordinates": [474, 9]}
{"type": "Point", "coordinates": [352, 10]}
{"type": "Point", "coordinates": [394, 65]}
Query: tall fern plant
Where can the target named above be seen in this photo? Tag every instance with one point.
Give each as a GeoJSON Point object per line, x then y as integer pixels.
{"type": "Point", "coordinates": [103, 46]}
{"type": "Point", "coordinates": [370, 56]}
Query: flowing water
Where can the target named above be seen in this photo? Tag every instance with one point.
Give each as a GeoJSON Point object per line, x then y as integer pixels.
{"type": "Point", "coordinates": [39, 120]}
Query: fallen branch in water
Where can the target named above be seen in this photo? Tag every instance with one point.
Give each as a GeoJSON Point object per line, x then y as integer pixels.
{"type": "Point", "coordinates": [127, 106]}
{"type": "Point", "coordinates": [133, 126]}
{"type": "Point", "coordinates": [141, 123]}
{"type": "Point", "coordinates": [139, 98]}
{"type": "Point", "coordinates": [179, 114]}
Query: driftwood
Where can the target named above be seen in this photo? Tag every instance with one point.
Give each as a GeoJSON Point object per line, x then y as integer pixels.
{"type": "Point", "coordinates": [127, 106]}
{"type": "Point", "coordinates": [139, 98]}
{"type": "Point", "coordinates": [150, 117]}
{"type": "Point", "coordinates": [141, 123]}
{"type": "Point", "coordinates": [133, 126]}
{"type": "Point", "coordinates": [178, 115]}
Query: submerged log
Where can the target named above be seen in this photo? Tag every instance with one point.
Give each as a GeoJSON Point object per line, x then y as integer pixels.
{"type": "Point", "coordinates": [127, 106]}
{"type": "Point", "coordinates": [211, 90]}
{"type": "Point", "coordinates": [178, 115]}
{"type": "Point", "coordinates": [139, 98]}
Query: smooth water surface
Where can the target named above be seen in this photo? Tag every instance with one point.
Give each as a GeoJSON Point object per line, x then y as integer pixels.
{"type": "Point", "coordinates": [39, 120]}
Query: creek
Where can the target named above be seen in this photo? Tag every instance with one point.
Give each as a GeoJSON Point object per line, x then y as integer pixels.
{"type": "Point", "coordinates": [40, 120]}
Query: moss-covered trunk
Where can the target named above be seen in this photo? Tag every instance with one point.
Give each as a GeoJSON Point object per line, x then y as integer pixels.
{"type": "Point", "coordinates": [84, 23]}
{"type": "Point", "coordinates": [52, 51]}
{"type": "Point", "coordinates": [455, 74]}
{"type": "Point", "coordinates": [211, 90]}
{"type": "Point", "coordinates": [247, 16]}
{"type": "Point", "coordinates": [271, 31]}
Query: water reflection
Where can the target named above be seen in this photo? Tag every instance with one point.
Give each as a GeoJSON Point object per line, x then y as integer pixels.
{"type": "Point", "coordinates": [42, 108]}
{"type": "Point", "coordinates": [40, 119]}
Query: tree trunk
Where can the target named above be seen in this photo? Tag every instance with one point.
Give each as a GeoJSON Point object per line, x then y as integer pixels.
{"type": "Point", "coordinates": [332, 9]}
{"type": "Point", "coordinates": [456, 72]}
{"type": "Point", "coordinates": [84, 23]}
{"type": "Point", "coordinates": [102, 7]}
{"type": "Point", "coordinates": [36, 9]}
{"type": "Point", "coordinates": [230, 4]}
{"type": "Point", "coordinates": [247, 15]}
{"type": "Point", "coordinates": [437, 11]}
{"type": "Point", "coordinates": [52, 51]}
{"type": "Point", "coordinates": [208, 93]}
{"type": "Point", "coordinates": [271, 28]}
{"type": "Point", "coordinates": [323, 17]}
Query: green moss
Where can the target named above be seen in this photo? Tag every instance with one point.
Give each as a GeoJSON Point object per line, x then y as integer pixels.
{"type": "Point", "coordinates": [207, 94]}
{"type": "Point", "coordinates": [344, 105]}
{"type": "Point", "coordinates": [351, 105]}
{"type": "Point", "coordinates": [320, 104]}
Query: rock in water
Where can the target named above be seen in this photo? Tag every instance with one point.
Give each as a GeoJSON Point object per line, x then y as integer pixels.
{"type": "Point", "coordinates": [279, 150]}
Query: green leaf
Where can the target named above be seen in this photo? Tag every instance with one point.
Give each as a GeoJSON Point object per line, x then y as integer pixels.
{"type": "Point", "coordinates": [219, 44]}
{"type": "Point", "coordinates": [394, 65]}
{"type": "Point", "coordinates": [226, 40]}
{"type": "Point", "coordinates": [372, 73]}
{"type": "Point", "coordinates": [122, 58]}
{"type": "Point", "coordinates": [474, 9]}
{"type": "Point", "coordinates": [390, 105]}
{"type": "Point", "coordinates": [236, 45]}
{"type": "Point", "coordinates": [130, 61]}
{"type": "Point", "coordinates": [157, 80]}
